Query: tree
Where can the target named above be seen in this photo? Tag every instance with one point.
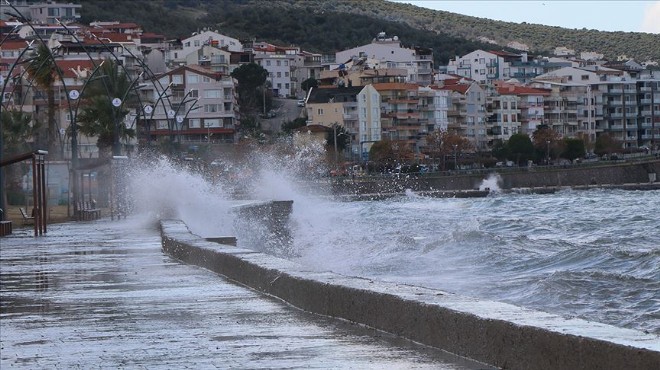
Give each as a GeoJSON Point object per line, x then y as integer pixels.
{"type": "Point", "coordinates": [606, 144]}
{"type": "Point", "coordinates": [99, 117]}
{"type": "Point", "coordinates": [545, 140]}
{"type": "Point", "coordinates": [382, 152]}
{"type": "Point", "coordinates": [251, 78]}
{"type": "Point", "coordinates": [520, 146]}
{"type": "Point", "coordinates": [309, 83]}
{"type": "Point", "coordinates": [17, 129]}
{"type": "Point", "coordinates": [288, 127]}
{"type": "Point", "coordinates": [573, 148]}
{"type": "Point", "coordinates": [340, 135]}
{"type": "Point", "coordinates": [440, 144]}
{"type": "Point", "coordinates": [43, 71]}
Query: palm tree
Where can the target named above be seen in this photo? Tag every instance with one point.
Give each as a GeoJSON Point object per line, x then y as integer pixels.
{"type": "Point", "coordinates": [99, 117]}
{"type": "Point", "coordinates": [43, 71]}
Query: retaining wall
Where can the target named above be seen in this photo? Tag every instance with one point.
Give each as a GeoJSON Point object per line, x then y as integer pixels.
{"type": "Point", "coordinates": [495, 333]}
{"type": "Point", "coordinates": [596, 175]}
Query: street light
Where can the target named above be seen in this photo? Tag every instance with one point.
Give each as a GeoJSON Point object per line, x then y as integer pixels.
{"type": "Point", "coordinates": [547, 158]}
{"type": "Point", "coordinates": [455, 155]}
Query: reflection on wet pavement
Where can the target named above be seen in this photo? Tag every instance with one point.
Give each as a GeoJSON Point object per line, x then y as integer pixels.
{"type": "Point", "coordinates": [102, 294]}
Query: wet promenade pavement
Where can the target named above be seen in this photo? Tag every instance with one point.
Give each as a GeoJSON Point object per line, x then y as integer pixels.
{"type": "Point", "coordinates": [102, 294]}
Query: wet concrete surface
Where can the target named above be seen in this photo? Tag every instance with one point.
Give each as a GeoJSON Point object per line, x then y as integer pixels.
{"type": "Point", "coordinates": [102, 294]}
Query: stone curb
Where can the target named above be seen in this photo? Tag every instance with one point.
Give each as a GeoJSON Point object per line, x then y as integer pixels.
{"type": "Point", "coordinates": [495, 333]}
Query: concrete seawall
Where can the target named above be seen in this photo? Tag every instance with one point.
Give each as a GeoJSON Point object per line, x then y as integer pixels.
{"type": "Point", "coordinates": [495, 333]}
{"type": "Point", "coordinates": [511, 178]}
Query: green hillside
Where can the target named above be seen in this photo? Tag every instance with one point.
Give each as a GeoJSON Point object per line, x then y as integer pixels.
{"type": "Point", "coordinates": [331, 25]}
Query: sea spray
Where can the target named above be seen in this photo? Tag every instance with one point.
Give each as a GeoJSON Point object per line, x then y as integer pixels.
{"type": "Point", "coordinates": [491, 183]}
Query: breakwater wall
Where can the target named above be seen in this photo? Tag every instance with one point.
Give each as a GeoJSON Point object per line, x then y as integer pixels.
{"type": "Point", "coordinates": [510, 178]}
{"type": "Point", "coordinates": [495, 333]}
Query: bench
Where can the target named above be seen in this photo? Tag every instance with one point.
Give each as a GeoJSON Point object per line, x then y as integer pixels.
{"type": "Point", "coordinates": [86, 211]}
{"type": "Point", "coordinates": [27, 219]}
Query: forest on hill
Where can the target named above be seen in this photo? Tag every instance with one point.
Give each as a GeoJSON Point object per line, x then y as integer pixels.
{"type": "Point", "coordinates": [327, 26]}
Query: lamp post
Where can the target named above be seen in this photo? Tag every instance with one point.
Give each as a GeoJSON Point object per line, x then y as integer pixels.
{"type": "Point", "coordinates": [455, 155]}
{"type": "Point", "coordinates": [547, 157]}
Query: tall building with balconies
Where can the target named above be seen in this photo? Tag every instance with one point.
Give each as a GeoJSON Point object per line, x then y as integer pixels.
{"type": "Point", "coordinates": [190, 104]}
{"type": "Point", "coordinates": [389, 53]}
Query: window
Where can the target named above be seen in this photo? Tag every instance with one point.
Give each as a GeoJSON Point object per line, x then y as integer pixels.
{"type": "Point", "coordinates": [194, 123]}
{"type": "Point", "coordinates": [196, 43]}
{"type": "Point", "coordinates": [53, 12]}
{"type": "Point", "coordinates": [206, 79]}
{"type": "Point", "coordinates": [227, 107]}
{"type": "Point", "coordinates": [286, 63]}
{"type": "Point", "coordinates": [194, 93]}
{"type": "Point", "coordinates": [585, 77]}
{"type": "Point", "coordinates": [268, 63]}
{"type": "Point", "coordinates": [279, 63]}
{"type": "Point", "coordinates": [505, 105]}
{"type": "Point", "coordinates": [211, 122]}
{"type": "Point", "coordinates": [228, 93]}
{"type": "Point", "coordinates": [319, 111]}
{"type": "Point", "coordinates": [482, 60]}
{"type": "Point", "coordinates": [286, 74]}
{"type": "Point", "coordinates": [211, 108]}
{"type": "Point", "coordinates": [279, 85]}
{"type": "Point", "coordinates": [286, 86]}
{"type": "Point", "coordinates": [177, 79]}
{"type": "Point", "coordinates": [193, 79]}
{"type": "Point", "coordinates": [187, 44]}
{"type": "Point", "coordinates": [279, 74]}
{"type": "Point", "coordinates": [483, 72]}
{"type": "Point", "coordinates": [213, 94]}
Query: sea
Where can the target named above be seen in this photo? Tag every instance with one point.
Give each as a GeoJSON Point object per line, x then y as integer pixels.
{"type": "Point", "coordinates": [590, 254]}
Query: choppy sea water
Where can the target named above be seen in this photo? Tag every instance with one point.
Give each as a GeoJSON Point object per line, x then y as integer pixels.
{"type": "Point", "coordinates": [589, 254]}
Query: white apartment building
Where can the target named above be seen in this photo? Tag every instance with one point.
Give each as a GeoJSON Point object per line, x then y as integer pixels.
{"type": "Point", "coordinates": [389, 53]}
{"type": "Point", "coordinates": [369, 121]}
{"type": "Point", "coordinates": [178, 53]}
{"type": "Point", "coordinates": [483, 66]}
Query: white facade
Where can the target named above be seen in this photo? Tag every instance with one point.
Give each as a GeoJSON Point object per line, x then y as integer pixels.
{"type": "Point", "coordinates": [279, 72]}
{"type": "Point", "coordinates": [434, 105]}
{"type": "Point", "coordinates": [368, 119]}
{"type": "Point", "coordinates": [389, 54]}
{"type": "Point", "coordinates": [196, 41]}
{"type": "Point", "coordinates": [481, 66]}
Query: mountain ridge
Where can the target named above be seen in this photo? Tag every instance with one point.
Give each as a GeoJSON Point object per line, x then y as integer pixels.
{"type": "Point", "coordinates": [324, 26]}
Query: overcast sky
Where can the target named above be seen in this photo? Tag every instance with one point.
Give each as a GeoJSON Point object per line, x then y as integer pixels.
{"type": "Point", "coordinates": [623, 15]}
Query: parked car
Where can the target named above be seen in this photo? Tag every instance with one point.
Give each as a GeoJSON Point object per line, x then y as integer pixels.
{"type": "Point", "coordinates": [301, 103]}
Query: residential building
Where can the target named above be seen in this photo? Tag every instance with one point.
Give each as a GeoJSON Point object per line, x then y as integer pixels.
{"type": "Point", "coordinates": [389, 53]}
{"type": "Point", "coordinates": [467, 113]}
{"type": "Point", "coordinates": [190, 104]}
{"type": "Point", "coordinates": [50, 12]}
{"type": "Point", "coordinates": [484, 66]}
{"type": "Point", "coordinates": [356, 109]}
{"type": "Point", "coordinates": [178, 52]}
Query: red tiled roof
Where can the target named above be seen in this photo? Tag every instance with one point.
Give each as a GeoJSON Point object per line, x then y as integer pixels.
{"type": "Point", "coordinates": [384, 86]}
{"type": "Point", "coordinates": [503, 53]}
{"type": "Point", "coordinates": [67, 66]}
{"type": "Point", "coordinates": [461, 88]}
{"type": "Point", "coordinates": [115, 36]}
{"type": "Point", "coordinates": [14, 45]}
{"type": "Point", "coordinates": [521, 90]}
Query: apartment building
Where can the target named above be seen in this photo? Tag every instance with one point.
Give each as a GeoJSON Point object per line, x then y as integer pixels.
{"type": "Point", "coordinates": [190, 104]}
{"type": "Point", "coordinates": [484, 66]}
{"type": "Point", "coordinates": [178, 52]}
{"type": "Point", "coordinates": [388, 52]}
{"type": "Point", "coordinates": [355, 109]}
{"type": "Point", "coordinates": [50, 12]}
{"type": "Point", "coordinates": [467, 113]}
